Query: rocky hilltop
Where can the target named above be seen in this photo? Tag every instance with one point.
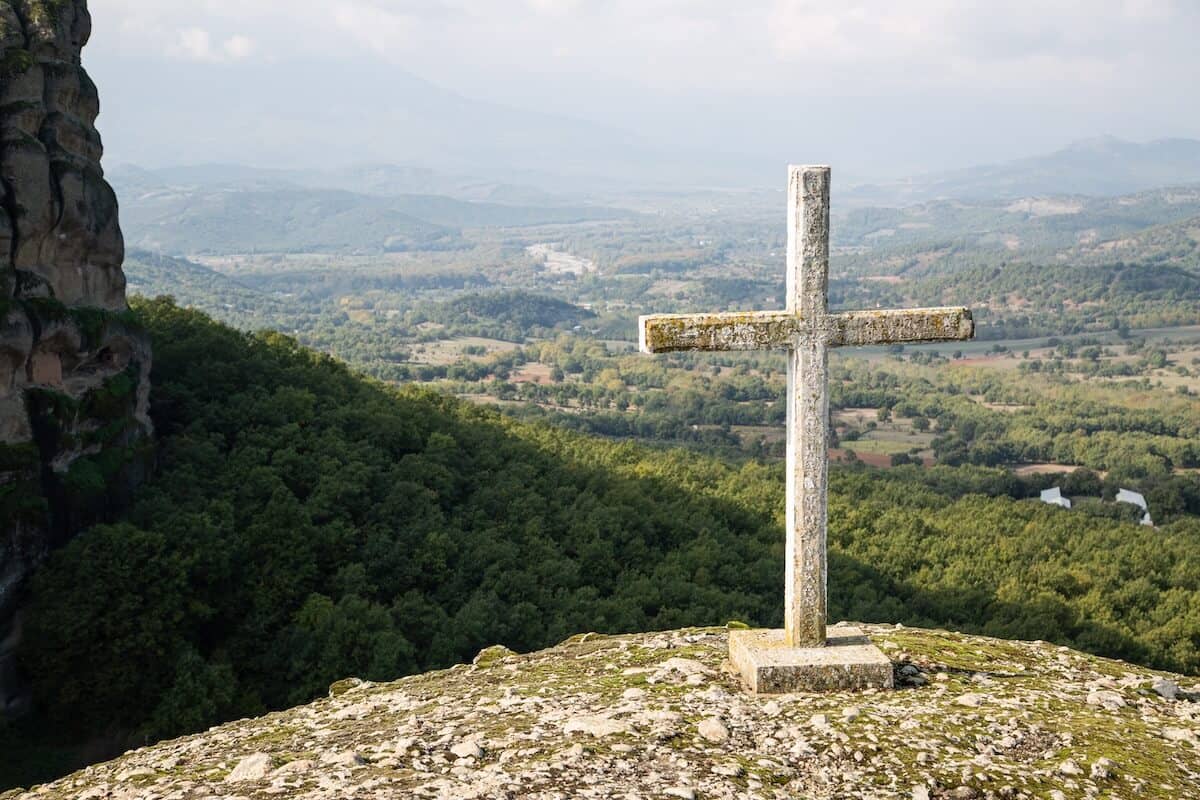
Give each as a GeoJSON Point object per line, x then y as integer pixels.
{"type": "Point", "coordinates": [659, 715]}
{"type": "Point", "coordinates": [74, 367]}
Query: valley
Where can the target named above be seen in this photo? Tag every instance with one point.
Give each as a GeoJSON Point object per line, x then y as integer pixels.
{"type": "Point", "coordinates": [540, 321]}
{"type": "Point", "coordinates": [466, 406]}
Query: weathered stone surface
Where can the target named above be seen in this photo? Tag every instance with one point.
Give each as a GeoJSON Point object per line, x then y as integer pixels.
{"type": "Point", "coordinates": [712, 729]}
{"type": "Point", "coordinates": [807, 330]}
{"type": "Point", "coordinates": [467, 749]}
{"type": "Point", "coordinates": [849, 661]}
{"type": "Point", "coordinates": [598, 725]}
{"type": "Point", "coordinates": [777, 330]}
{"type": "Point", "coordinates": [1035, 735]}
{"type": "Point", "coordinates": [737, 330]}
{"type": "Point", "coordinates": [66, 232]}
{"type": "Point", "coordinates": [488, 655]}
{"type": "Point", "coordinates": [1166, 688]}
{"type": "Point", "coordinates": [251, 768]}
{"type": "Point", "coordinates": [73, 366]}
{"type": "Point", "coordinates": [901, 326]}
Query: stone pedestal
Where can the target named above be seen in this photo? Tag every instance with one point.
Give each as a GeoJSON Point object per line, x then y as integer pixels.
{"type": "Point", "coordinates": [848, 662]}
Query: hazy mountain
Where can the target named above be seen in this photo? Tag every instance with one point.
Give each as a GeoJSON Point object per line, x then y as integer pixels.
{"type": "Point", "coordinates": [1103, 166]}
{"type": "Point", "coordinates": [1059, 219]}
{"type": "Point", "coordinates": [232, 209]}
{"type": "Point", "coordinates": [279, 220]}
{"type": "Point", "coordinates": [294, 107]}
{"type": "Point", "coordinates": [378, 179]}
{"type": "Point", "coordinates": [1160, 226]}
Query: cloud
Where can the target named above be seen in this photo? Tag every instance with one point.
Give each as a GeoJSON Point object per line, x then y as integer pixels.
{"type": "Point", "coordinates": [385, 32]}
{"type": "Point", "coordinates": [753, 45]}
{"type": "Point", "coordinates": [553, 7]}
{"type": "Point", "coordinates": [238, 47]}
{"type": "Point", "coordinates": [196, 44]}
{"type": "Point", "coordinates": [1021, 74]}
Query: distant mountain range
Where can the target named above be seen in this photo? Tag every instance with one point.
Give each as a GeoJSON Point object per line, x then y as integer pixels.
{"type": "Point", "coordinates": [1083, 202]}
{"type": "Point", "coordinates": [1099, 167]}
{"type": "Point", "coordinates": [375, 179]}
{"type": "Point", "coordinates": [221, 209]}
{"type": "Point", "coordinates": [1058, 220]}
{"type": "Point", "coordinates": [316, 112]}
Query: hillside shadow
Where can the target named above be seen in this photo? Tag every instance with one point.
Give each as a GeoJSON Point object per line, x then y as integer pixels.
{"type": "Point", "coordinates": [309, 523]}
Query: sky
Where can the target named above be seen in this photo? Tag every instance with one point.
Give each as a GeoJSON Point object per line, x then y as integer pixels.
{"type": "Point", "coordinates": [881, 88]}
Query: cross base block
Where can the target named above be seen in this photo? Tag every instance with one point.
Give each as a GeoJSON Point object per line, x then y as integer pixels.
{"type": "Point", "coordinates": [848, 662]}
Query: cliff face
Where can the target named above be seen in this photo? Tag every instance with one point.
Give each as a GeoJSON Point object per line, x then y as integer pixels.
{"type": "Point", "coordinates": [659, 715]}
{"type": "Point", "coordinates": [74, 367]}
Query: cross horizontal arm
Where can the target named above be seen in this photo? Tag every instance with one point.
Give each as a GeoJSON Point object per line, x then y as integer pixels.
{"type": "Point", "coordinates": [778, 330]}
{"type": "Point", "coordinates": [901, 326]}
{"type": "Point", "coordinates": [734, 330]}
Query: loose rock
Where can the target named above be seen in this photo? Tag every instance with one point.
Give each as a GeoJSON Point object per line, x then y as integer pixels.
{"type": "Point", "coordinates": [580, 722]}
{"type": "Point", "coordinates": [251, 768]}
{"type": "Point", "coordinates": [467, 749]}
{"type": "Point", "coordinates": [1106, 699]}
{"type": "Point", "coordinates": [1166, 688]}
{"type": "Point", "coordinates": [597, 725]}
{"type": "Point", "coordinates": [713, 730]}
{"type": "Point", "coordinates": [684, 792]}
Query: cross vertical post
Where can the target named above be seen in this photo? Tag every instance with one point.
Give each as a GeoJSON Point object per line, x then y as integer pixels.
{"type": "Point", "coordinates": [807, 408]}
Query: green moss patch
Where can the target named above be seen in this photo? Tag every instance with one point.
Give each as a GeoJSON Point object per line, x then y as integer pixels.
{"type": "Point", "coordinates": [15, 62]}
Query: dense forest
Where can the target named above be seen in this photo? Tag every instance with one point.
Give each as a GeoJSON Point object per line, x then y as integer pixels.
{"type": "Point", "coordinates": [307, 524]}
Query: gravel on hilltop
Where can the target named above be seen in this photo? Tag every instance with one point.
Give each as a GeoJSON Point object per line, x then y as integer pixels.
{"type": "Point", "coordinates": [659, 715]}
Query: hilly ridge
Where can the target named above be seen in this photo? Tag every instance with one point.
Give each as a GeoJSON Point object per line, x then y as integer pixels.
{"type": "Point", "coordinates": [1176, 242]}
{"type": "Point", "coordinates": [153, 274]}
{"type": "Point", "coordinates": [1154, 225]}
{"type": "Point", "coordinates": [376, 179]}
{"type": "Point", "coordinates": [657, 715]}
{"type": "Point", "coordinates": [286, 218]}
{"type": "Point", "coordinates": [1101, 166]}
{"type": "Point", "coordinates": [307, 524]}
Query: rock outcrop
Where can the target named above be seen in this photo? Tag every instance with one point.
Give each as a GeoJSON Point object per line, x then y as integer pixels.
{"type": "Point", "coordinates": [74, 366]}
{"type": "Point", "coordinates": [660, 715]}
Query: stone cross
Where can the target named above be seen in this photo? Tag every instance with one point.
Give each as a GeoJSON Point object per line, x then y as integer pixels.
{"type": "Point", "coordinates": [807, 330]}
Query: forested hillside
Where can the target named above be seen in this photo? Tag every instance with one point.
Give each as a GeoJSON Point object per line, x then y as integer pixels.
{"type": "Point", "coordinates": [307, 524]}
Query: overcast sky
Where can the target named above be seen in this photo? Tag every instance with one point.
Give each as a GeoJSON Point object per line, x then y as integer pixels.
{"type": "Point", "coordinates": [875, 86]}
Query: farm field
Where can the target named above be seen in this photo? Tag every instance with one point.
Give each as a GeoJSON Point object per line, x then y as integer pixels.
{"type": "Point", "coordinates": [448, 351]}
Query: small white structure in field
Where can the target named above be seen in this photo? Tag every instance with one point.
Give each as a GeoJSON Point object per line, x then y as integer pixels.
{"type": "Point", "coordinates": [1134, 498]}
{"type": "Point", "coordinates": [1055, 497]}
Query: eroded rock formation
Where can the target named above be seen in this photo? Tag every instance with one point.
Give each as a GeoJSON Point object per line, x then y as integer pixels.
{"type": "Point", "coordinates": [74, 366]}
